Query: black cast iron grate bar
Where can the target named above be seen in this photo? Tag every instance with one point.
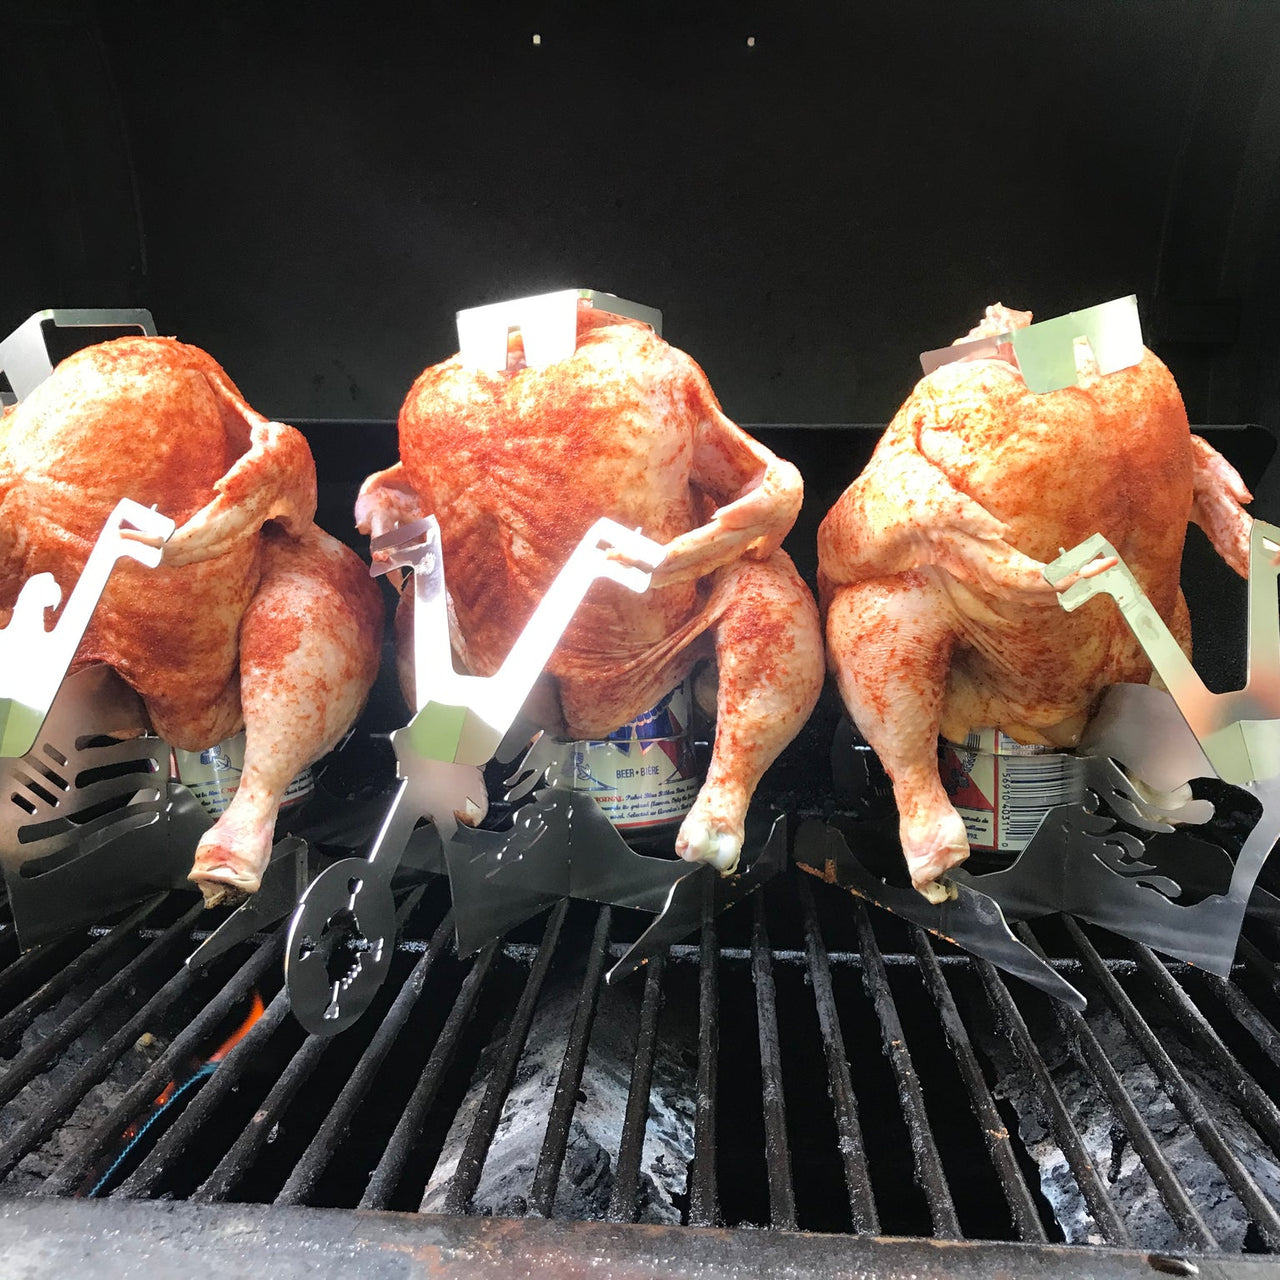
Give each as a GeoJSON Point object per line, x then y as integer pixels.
{"type": "Point", "coordinates": [162, 1157]}
{"type": "Point", "coordinates": [1258, 1109]}
{"type": "Point", "coordinates": [623, 1199]}
{"type": "Point", "coordinates": [555, 1140]}
{"type": "Point", "coordinates": [142, 1180]}
{"type": "Point", "coordinates": [186, 1045]}
{"type": "Point", "coordinates": [470, 1166]}
{"type": "Point", "coordinates": [253, 1137]}
{"type": "Point", "coordinates": [36, 1128]}
{"type": "Point", "coordinates": [862, 1205]}
{"type": "Point", "coordinates": [1065, 1132]}
{"type": "Point", "coordinates": [386, 1177]}
{"type": "Point", "coordinates": [1258, 1207]}
{"type": "Point", "coordinates": [782, 1196]}
{"type": "Point", "coordinates": [1270, 929]}
{"type": "Point", "coordinates": [683, 953]}
{"type": "Point", "coordinates": [704, 1196]}
{"type": "Point", "coordinates": [1262, 968]}
{"type": "Point", "coordinates": [1093, 1058]}
{"type": "Point", "coordinates": [1247, 1015]}
{"type": "Point", "coordinates": [1022, 1206]}
{"type": "Point", "coordinates": [22, 1015]}
{"type": "Point", "coordinates": [873, 967]}
{"type": "Point", "coordinates": [924, 1146]}
{"type": "Point", "coordinates": [19, 969]}
{"type": "Point", "coordinates": [31, 1064]}
{"type": "Point", "coordinates": [313, 1162]}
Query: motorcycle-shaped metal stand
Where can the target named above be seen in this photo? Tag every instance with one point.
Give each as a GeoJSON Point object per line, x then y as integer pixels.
{"type": "Point", "coordinates": [90, 821]}
{"type": "Point", "coordinates": [560, 845]}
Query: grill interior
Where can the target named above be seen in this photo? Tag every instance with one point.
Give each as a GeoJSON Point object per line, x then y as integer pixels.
{"type": "Point", "coordinates": [801, 1062]}
{"type": "Point", "coordinates": [843, 1073]}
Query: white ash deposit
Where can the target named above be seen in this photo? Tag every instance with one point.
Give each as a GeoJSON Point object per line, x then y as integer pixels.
{"type": "Point", "coordinates": [1107, 1142]}
{"type": "Point", "coordinates": [587, 1175]}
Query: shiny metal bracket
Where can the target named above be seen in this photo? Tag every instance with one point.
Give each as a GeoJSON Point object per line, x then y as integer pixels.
{"type": "Point", "coordinates": [1239, 731]}
{"type": "Point", "coordinates": [1177, 892]}
{"type": "Point", "coordinates": [33, 661]}
{"type": "Point", "coordinates": [1046, 350]}
{"type": "Point", "coordinates": [460, 723]}
{"type": "Point", "coordinates": [80, 771]}
{"type": "Point", "coordinates": [340, 943]}
{"type": "Point", "coordinates": [463, 718]}
{"type": "Point", "coordinates": [1083, 862]}
{"type": "Point", "coordinates": [562, 846]}
{"type": "Point", "coordinates": [24, 354]}
{"type": "Point", "coordinates": [971, 920]}
{"type": "Point", "coordinates": [1142, 855]}
{"type": "Point", "coordinates": [548, 325]}
{"type": "Point", "coordinates": [283, 883]}
{"type": "Point", "coordinates": [89, 819]}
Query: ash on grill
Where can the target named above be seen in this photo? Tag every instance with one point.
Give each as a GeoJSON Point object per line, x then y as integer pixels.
{"type": "Point", "coordinates": [35, 1097]}
{"type": "Point", "coordinates": [587, 1176]}
{"type": "Point", "coordinates": [1109, 1146]}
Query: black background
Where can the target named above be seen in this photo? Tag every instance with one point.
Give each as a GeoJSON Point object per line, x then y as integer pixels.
{"type": "Point", "coordinates": [311, 191]}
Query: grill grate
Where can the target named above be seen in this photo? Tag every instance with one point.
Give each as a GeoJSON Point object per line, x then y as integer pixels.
{"type": "Point", "coordinates": [551, 1158]}
{"type": "Point", "coordinates": [849, 1073]}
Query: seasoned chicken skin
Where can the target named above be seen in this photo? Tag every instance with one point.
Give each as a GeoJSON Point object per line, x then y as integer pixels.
{"type": "Point", "coordinates": [255, 618]}
{"type": "Point", "coordinates": [938, 618]}
{"type": "Point", "coordinates": [518, 465]}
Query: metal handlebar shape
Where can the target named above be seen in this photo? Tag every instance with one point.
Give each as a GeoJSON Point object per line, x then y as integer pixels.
{"type": "Point", "coordinates": [34, 661]}
{"type": "Point", "coordinates": [1240, 730]}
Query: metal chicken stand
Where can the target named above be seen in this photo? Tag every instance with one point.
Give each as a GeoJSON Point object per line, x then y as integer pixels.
{"type": "Point", "coordinates": [91, 821]}
{"type": "Point", "coordinates": [1046, 352]}
{"type": "Point", "coordinates": [1182, 803]}
{"type": "Point", "coordinates": [559, 845]}
{"type": "Point", "coordinates": [24, 355]}
{"type": "Point", "coordinates": [547, 323]}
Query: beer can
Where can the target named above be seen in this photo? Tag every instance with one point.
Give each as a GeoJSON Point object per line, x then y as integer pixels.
{"type": "Point", "coordinates": [1003, 788]}
{"type": "Point", "coordinates": [212, 776]}
{"type": "Point", "coordinates": [643, 775]}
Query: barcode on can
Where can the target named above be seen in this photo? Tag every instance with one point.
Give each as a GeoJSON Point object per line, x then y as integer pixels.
{"type": "Point", "coordinates": [1029, 787]}
{"type": "Point", "coordinates": [1003, 789]}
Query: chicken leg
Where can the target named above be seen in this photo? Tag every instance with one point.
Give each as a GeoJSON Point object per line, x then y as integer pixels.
{"type": "Point", "coordinates": [903, 630]}
{"type": "Point", "coordinates": [308, 656]}
{"type": "Point", "coordinates": [768, 644]}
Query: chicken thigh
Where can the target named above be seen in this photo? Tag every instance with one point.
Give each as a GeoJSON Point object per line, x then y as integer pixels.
{"type": "Point", "coordinates": [938, 617]}
{"type": "Point", "coordinates": [517, 466]}
{"type": "Point", "coordinates": [255, 618]}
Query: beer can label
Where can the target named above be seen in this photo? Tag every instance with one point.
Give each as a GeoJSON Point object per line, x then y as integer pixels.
{"type": "Point", "coordinates": [213, 775]}
{"type": "Point", "coordinates": [642, 775]}
{"type": "Point", "coordinates": [669, 719]}
{"type": "Point", "coordinates": [1002, 789]}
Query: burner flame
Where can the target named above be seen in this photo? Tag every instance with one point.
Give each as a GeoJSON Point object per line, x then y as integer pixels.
{"type": "Point", "coordinates": [256, 1011]}
{"type": "Point", "coordinates": [165, 1096]}
{"type": "Point", "coordinates": [197, 1072]}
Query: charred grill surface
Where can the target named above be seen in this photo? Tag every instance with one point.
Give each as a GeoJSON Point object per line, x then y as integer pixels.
{"type": "Point", "coordinates": [827, 1068]}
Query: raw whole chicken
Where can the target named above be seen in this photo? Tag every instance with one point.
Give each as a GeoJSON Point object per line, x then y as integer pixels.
{"type": "Point", "coordinates": [517, 466]}
{"type": "Point", "coordinates": [938, 617]}
{"type": "Point", "coordinates": [255, 618]}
